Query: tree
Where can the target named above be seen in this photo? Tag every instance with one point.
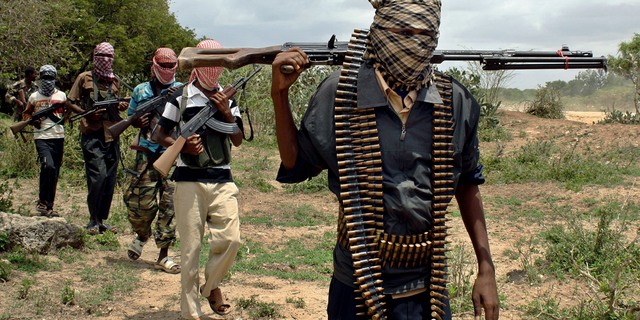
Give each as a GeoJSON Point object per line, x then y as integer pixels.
{"type": "Point", "coordinates": [29, 35]}
{"type": "Point", "coordinates": [627, 64]}
{"type": "Point", "coordinates": [491, 81]}
{"type": "Point", "coordinates": [65, 32]}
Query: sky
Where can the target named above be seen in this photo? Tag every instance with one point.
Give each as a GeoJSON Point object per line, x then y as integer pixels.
{"type": "Point", "coordinates": [586, 25]}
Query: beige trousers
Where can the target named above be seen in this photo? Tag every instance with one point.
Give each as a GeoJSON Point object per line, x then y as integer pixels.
{"type": "Point", "coordinates": [199, 208]}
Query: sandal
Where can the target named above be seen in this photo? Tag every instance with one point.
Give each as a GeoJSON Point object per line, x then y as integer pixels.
{"type": "Point", "coordinates": [218, 303]}
{"type": "Point", "coordinates": [50, 214]}
{"type": "Point", "coordinates": [93, 228]}
{"type": "Point", "coordinates": [41, 207]}
{"type": "Point", "coordinates": [167, 265]}
{"type": "Point", "coordinates": [135, 249]}
{"type": "Point", "coordinates": [104, 227]}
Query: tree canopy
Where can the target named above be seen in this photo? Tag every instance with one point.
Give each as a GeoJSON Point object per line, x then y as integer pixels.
{"type": "Point", "coordinates": [65, 32]}
{"type": "Point", "coordinates": [627, 64]}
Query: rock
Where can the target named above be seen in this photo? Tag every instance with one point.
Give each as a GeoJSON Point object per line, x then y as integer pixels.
{"type": "Point", "coordinates": [39, 234]}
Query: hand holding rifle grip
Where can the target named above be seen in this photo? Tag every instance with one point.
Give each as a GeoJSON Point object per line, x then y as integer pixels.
{"type": "Point", "coordinates": [166, 160]}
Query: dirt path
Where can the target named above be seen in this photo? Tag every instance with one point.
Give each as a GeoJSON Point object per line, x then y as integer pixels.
{"type": "Point", "coordinates": [157, 295]}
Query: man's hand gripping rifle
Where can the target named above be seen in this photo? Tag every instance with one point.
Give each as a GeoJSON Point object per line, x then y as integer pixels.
{"type": "Point", "coordinates": [37, 116]}
{"type": "Point", "coordinates": [199, 123]}
{"type": "Point", "coordinates": [333, 53]}
{"type": "Point", "coordinates": [110, 106]}
{"type": "Point", "coordinates": [155, 105]}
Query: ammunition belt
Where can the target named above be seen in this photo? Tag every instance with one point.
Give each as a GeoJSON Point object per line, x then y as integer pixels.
{"type": "Point", "coordinates": [360, 223]}
{"type": "Point", "coordinates": [443, 192]}
{"type": "Point", "coordinates": [360, 171]}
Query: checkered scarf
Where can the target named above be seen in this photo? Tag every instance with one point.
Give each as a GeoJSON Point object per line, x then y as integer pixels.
{"type": "Point", "coordinates": [207, 77]}
{"type": "Point", "coordinates": [164, 75]}
{"type": "Point", "coordinates": [48, 75]}
{"type": "Point", "coordinates": [404, 60]}
{"type": "Point", "coordinates": [104, 65]}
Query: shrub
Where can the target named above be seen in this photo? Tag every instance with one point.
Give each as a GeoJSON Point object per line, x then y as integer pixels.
{"type": "Point", "coordinates": [5, 271]}
{"type": "Point", "coordinates": [546, 104]}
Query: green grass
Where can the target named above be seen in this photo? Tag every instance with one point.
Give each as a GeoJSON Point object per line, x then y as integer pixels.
{"type": "Point", "coordinates": [28, 262]}
{"type": "Point", "coordinates": [295, 259]}
{"type": "Point", "coordinates": [544, 161]}
{"type": "Point", "coordinates": [289, 216]}
{"type": "Point", "coordinates": [258, 309]}
{"type": "Point", "coordinates": [316, 184]}
{"type": "Point", "coordinates": [106, 282]}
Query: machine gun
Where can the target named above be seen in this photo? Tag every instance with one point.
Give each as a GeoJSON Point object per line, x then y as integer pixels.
{"type": "Point", "coordinates": [111, 106]}
{"type": "Point", "coordinates": [203, 120]}
{"type": "Point", "coordinates": [154, 105]}
{"type": "Point", "coordinates": [44, 113]}
{"type": "Point", "coordinates": [333, 53]}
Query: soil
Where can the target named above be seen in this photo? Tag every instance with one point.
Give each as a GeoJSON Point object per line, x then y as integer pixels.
{"type": "Point", "coordinates": [157, 297]}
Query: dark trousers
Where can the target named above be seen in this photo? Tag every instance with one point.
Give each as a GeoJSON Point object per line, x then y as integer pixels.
{"type": "Point", "coordinates": [101, 167]}
{"type": "Point", "coordinates": [50, 153]}
{"type": "Point", "coordinates": [342, 305]}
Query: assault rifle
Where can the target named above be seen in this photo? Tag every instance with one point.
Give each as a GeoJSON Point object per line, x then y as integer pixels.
{"type": "Point", "coordinates": [154, 105]}
{"type": "Point", "coordinates": [44, 113]}
{"type": "Point", "coordinates": [333, 53]}
{"type": "Point", "coordinates": [111, 106]}
{"type": "Point", "coordinates": [202, 121]}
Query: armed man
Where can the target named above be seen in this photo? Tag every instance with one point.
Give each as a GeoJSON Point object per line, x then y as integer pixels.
{"type": "Point", "coordinates": [18, 93]}
{"type": "Point", "coordinates": [150, 193]}
{"type": "Point", "coordinates": [205, 197]}
{"type": "Point", "coordinates": [48, 136]}
{"type": "Point", "coordinates": [99, 148]}
{"type": "Point", "coordinates": [399, 140]}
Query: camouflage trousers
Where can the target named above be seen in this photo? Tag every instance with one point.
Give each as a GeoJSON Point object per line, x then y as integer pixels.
{"type": "Point", "coordinates": [148, 195]}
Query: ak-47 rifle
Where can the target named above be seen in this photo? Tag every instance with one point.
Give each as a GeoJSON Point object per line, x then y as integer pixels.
{"type": "Point", "coordinates": [202, 121]}
{"type": "Point", "coordinates": [111, 106]}
{"type": "Point", "coordinates": [154, 105]}
{"type": "Point", "coordinates": [333, 53]}
{"type": "Point", "coordinates": [44, 113]}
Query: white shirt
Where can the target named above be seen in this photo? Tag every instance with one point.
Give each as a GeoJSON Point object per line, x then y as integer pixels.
{"type": "Point", "coordinates": [195, 99]}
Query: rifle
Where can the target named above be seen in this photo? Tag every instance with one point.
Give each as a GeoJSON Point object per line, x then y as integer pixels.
{"type": "Point", "coordinates": [203, 120]}
{"type": "Point", "coordinates": [111, 106]}
{"type": "Point", "coordinates": [154, 105]}
{"type": "Point", "coordinates": [333, 53]}
{"type": "Point", "coordinates": [44, 113]}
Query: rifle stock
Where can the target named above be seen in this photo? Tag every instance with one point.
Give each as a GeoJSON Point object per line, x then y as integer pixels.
{"type": "Point", "coordinates": [18, 126]}
{"type": "Point", "coordinates": [165, 162]}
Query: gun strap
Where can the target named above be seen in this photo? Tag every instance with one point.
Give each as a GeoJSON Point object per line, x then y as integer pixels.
{"type": "Point", "coordinates": [360, 222]}
{"type": "Point", "coordinates": [56, 122]}
{"type": "Point", "coordinates": [246, 111]}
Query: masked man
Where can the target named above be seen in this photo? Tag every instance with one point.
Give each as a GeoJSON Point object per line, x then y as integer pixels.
{"type": "Point", "coordinates": [48, 136]}
{"type": "Point", "coordinates": [205, 196]}
{"type": "Point", "coordinates": [101, 152]}
{"type": "Point", "coordinates": [399, 141]}
{"type": "Point", "coordinates": [150, 193]}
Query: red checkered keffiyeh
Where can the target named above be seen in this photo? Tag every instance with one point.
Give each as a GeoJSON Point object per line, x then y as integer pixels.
{"type": "Point", "coordinates": [164, 75]}
{"type": "Point", "coordinates": [104, 65]}
{"type": "Point", "coordinates": [207, 77]}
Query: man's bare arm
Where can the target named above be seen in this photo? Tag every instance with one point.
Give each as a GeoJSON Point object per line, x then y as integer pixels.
{"type": "Point", "coordinates": [485, 293]}
{"type": "Point", "coordinates": [286, 130]}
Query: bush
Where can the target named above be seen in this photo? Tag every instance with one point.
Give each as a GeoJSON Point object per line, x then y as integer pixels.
{"type": "Point", "coordinates": [617, 116]}
{"type": "Point", "coordinates": [5, 271]}
{"type": "Point", "coordinates": [547, 103]}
